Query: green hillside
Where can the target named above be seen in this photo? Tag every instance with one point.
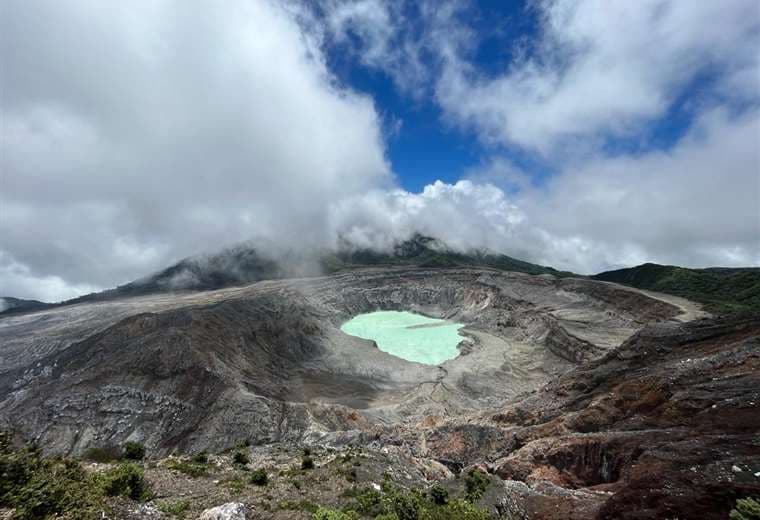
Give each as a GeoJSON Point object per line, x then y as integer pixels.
{"type": "Point", "coordinates": [721, 289]}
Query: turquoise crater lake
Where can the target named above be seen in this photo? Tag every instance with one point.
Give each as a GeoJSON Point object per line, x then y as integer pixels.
{"type": "Point", "coordinates": [407, 335]}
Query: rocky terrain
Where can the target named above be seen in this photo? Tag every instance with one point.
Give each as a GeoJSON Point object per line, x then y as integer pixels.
{"type": "Point", "coordinates": [578, 398]}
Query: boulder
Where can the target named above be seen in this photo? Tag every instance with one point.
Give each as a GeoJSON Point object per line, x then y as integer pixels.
{"type": "Point", "coordinates": [228, 511]}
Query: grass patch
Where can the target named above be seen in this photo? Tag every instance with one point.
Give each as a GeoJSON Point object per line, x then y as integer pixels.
{"type": "Point", "coordinates": [236, 484]}
{"type": "Point", "coordinates": [192, 469]}
{"type": "Point", "coordinates": [177, 508]}
{"type": "Point", "coordinates": [301, 505]}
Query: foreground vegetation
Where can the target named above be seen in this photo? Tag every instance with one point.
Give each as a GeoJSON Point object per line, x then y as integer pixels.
{"type": "Point", "coordinates": [45, 487]}
{"type": "Point", "coordinates": [34, 486]}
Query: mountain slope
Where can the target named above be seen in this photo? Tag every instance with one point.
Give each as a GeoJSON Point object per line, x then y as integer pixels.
{"type": "Point", "coordinates": [422, 251]}
{"type": "Point", "coordinates": [722, 290]}
{"type": "Point", "coordinates": [244, 264]}
{"type": "Point", "coordinates": [10, 305]}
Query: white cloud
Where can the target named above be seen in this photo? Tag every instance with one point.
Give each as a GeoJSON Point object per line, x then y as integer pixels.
{"type": "Point", "coordinates": [136, 134]}
{"type": "Point", "coordinates": [17, 279]}
{"type": "Point", "coordinates": [464, 215]}
{"type": "Point", "coordinates": [604, 69]}
{"type": "Point", "coordinates": [139, 133]}
{"type": "Point", "coordinates": [695, 205]}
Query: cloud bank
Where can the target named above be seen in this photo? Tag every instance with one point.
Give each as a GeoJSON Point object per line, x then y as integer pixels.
{"type": "Point", "coordinates": [135, 135]}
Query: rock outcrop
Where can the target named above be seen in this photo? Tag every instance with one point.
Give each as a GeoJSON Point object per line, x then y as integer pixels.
{"type": "Point", "coordinates": [664, 426]}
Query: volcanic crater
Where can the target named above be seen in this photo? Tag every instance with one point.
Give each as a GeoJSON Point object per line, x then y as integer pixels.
{"type": "Point", "coordinates": [269, 362]}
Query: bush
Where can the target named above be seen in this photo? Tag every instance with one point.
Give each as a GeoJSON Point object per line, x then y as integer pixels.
{"type": "Point", "coordinates": [127, 480]}
{"type": "Point", "coordinates": [438, 494]}
{"type": "Point", "coordinates": [307, 462]}
{"type": "Point", "coordinates": [42, 487]}
{"type": "Point", "coordinates": [177, 509]}
{"type": "Point", "coordinates": [55, 487]}
{"type": "Point", "coordinates": [105, 454]}
{"type": "Point", "coordinates": [192, 469]}
{"type": "Point", "coordinates": [368, 502]}
{"type": "Point", "coordinates": [259, 477]}
{"type": "Point", "coordinates": [405, 505]}
{"type": "Point", "coordinates": [325, 513]}
{"type": "Point", "coordinates": [476, 482]}
{"type": "Point", "coordinates": [241, 445]}
{"type": "Point", "coordinates": [134, 451]}
{"type": "Point", "coordinates": [240, 457]}
{"type": "Point", "coordinates": [746, 509]}
{"type": "Point", "coordinates": [200, 458]}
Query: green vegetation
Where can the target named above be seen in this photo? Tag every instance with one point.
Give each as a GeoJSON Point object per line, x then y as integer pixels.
{"type": "Point", "coordinates": [241, 445]}
{"type": "Point", "coordinates": [177, 509]}
{"type": "Point", "coordinates": [59, 487]}
{"type": "Point", "coordinates": [325, 513]}
{"type": "Point", "coordinates": [307, 462]}
{"type": "Point", "coordinates": [746, 509]}
{"type": "Point", "coordinates": [476, 482]}
{"type": "Point", "coordinates": [241, 457]}
{"type": "Point", "coordinates": [398, 504]}
{"type": "Point", "coordinates": [103, 455]}
{"type": "Point", "coordinates": [438, 494]}
{"type": "Point", "coordinates": [259, 477]}
{"type": "Point", "coordinates": [302, 505]}
{"type": "Point", "coordinates": [200, 458]}
{"type": "Point", "coordinates": [126, 480]}
{"type": "Point", "coordinates": [721, 290]}
{"type": "Point", "coordinates": [134, 451]}
{"type": "Point", "coordinates": [236, 484]}
{"type": "Point", "coordinates": [192, 469]}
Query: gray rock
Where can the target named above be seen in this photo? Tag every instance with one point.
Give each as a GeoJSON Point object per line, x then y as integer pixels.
{"type": "Point", "coordinates": [228, 511]}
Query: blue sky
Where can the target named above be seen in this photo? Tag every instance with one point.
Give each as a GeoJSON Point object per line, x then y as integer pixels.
{"type": "Point", "coordinates": [426, 147]}
{"type": "Point", "coordinates": [582, 134]}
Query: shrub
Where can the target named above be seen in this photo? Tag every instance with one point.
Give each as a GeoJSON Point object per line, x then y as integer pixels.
{"type": "Point", "coordinates": [177, 509]}
{"type": "Point", "coordinates": [104, 454]}
{"type": "Point", "coordinates": [235, 484]}
{"type": "Point", "coordinates": [55, 487]}
{"type": "Point", "coordinates": [746, 509]}
{"type": "Point", "coordinates": [307, 451]}
{"type": "Point", "coordinates": [307, 462]}
{"type": "Point", "coordinates": [259, 477]}
{"type": "Point", "coordinates": [192, 469]}
{"type": "Point", "coordinates": [134, 451]}
{"type": "Point", "coordinates": [242, 444]}
{"type": "Point", "coordinates": [405, 505]}
{"type": "Point", "coordinates": [438, 494]}
{"type": "Point", "coordinates": [476, 483]}
{"type": "Point", "coordinates": [240, 457]}
{"type": "Point", "coordinates": [127, 480]}
{"type": "Point", "coordinates": [200, 458]}
{"type": "Point", "coordinates": [325, 513]}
